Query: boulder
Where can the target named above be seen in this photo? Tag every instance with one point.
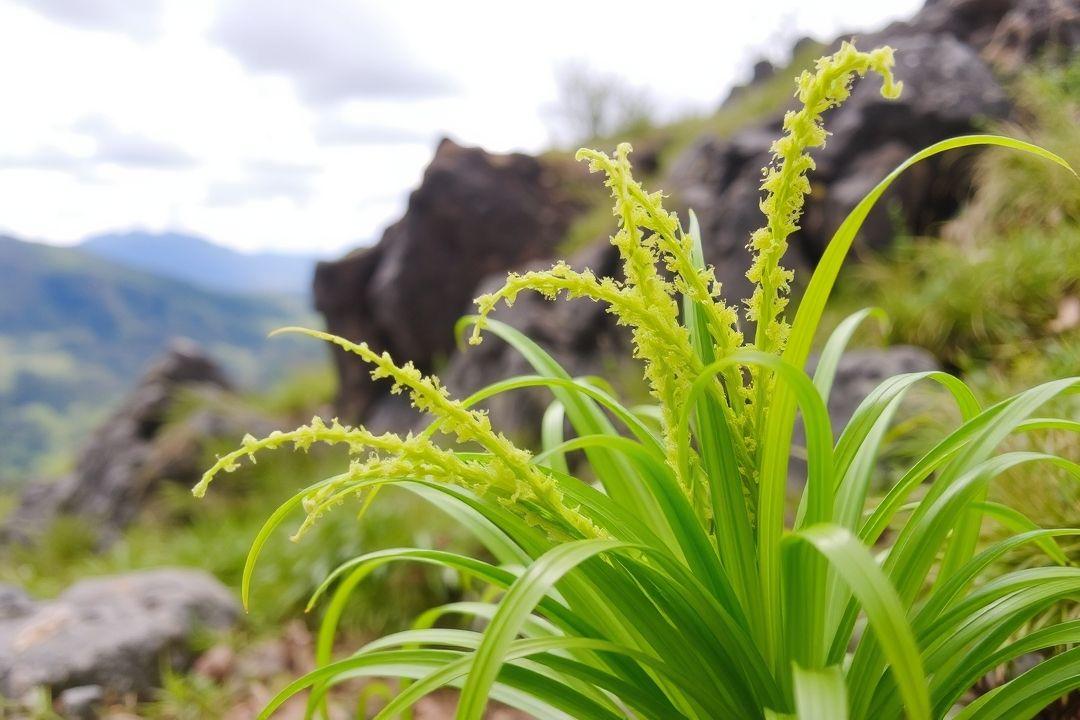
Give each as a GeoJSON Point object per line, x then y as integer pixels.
{"type": "Point", "coordinates": [860, 371]}
{"type": "Point", "coordinates": [130, 453]}
{"type": "Point", "coordinates": [14, 602]}
{"type": "Point", "coordinates": [1007, 33]}
{"type": "Point", "coordinates": [474, 214]}
{"type": "Point", "coordinates": [972, 22]}
{"type": "Point", "coordinates": [115, 633]}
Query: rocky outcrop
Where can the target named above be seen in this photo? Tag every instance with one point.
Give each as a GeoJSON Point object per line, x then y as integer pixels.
{"type": "Point", "coordinates": [134, 450]}
{"type": "Point", "coordinates": [1006, 32]}
{"type": "Point", "coordinates": [111, 633]}
{"type": "Point", "coordinates": [949, 56]}
{"type": "Point", "coordinates": [972, 22]}
{"type": "Point", "coordinates": [473, 215]}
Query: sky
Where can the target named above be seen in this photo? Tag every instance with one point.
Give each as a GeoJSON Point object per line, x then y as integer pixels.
{"type": "Point", "coordinates": [302, 125]}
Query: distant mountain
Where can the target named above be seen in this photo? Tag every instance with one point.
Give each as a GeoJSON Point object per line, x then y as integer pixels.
{"type": "Point", "coordinates": [201, 262]}
{"type": "Point", "coordinates": [76, 331]}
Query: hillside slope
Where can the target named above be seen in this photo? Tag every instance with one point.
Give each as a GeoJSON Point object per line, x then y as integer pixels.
{"type": "Point", "coordinates": [75, 330]}
{"type": "Point", "coordinates": [205, 264]}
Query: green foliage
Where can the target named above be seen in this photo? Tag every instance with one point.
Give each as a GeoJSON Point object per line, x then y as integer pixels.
{"type": "Point", "coordinates": [670, 584]}
{"type": "Point", "coordinates": [185, 698]}
{"type": "Point", "coordinates": [997, 296]}
{"type": "Point", "coordinates": [969, 304]}
{"type": "Point", "coordinates": [37, 705]}
{"type": "Point", "coordinates": [297, 394]}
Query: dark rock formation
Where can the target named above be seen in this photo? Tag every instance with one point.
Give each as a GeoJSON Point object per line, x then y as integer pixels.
{"type": "Point", "coordinates": [115, 633]}
{"type": "Point", "coordinates": [473, 215]}
{"type": "Point", "coordinates": [942, 57]}
{"type": "Point", "coordinates": [132, 451]}
{"type": "Point", "coordinates": [763, 70]}
{"type": "Point", "coordinates": [972, 22]}
{"type": "Point", "coordinates": [14, 602]}
{"type": "Point", "coordinates": [1006, 32]}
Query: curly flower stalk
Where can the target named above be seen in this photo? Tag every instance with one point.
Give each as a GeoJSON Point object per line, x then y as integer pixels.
{"type": "Point", "coordinates": [785, 182]}
{"type": "Point", "coordinates": [520, 485]}
{"type": "Point", "coordinates": [668, 244]}
{"type": "Point", "coordinates": [785, 185]}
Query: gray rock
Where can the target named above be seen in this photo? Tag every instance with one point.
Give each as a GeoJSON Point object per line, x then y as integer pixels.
{"type": "Point", "coordinates": [970, 21]}
{"type": "Point", "coordinates": [113, 632]}
{"type": "Point", "coordinates": [81, 703]}
{"type": "Point", "coordinates": [124, 459]}
{"type": "Point", "coordinates": [1034, 28]}
{"type": "Point", "coordinates": [860, 371]}
{"type": "Point", "coordinates": [14, 602]}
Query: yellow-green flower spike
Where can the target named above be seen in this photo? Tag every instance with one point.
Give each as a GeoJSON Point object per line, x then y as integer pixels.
{"type": "Point", "coordinates": [785, 184]}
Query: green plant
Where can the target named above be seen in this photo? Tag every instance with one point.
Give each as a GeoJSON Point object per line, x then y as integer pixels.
{"type": "Point", "coordinates": [185, 697]}
{"type": "Point", "coordinates": [673, 586]}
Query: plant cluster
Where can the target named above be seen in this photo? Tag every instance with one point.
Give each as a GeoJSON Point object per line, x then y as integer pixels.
{"type": "Point", "coordinates": [658, 577]}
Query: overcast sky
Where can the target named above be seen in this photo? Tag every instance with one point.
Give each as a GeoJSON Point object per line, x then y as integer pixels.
{"type": "Point", "coordinates": [303, 124]}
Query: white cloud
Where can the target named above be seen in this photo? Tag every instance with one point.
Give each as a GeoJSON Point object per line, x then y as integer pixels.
{"type": "Point", "coordinates": [302, 125]}
{"type": "Point", "coordinates": [334, 130]}
{"type": "Point", "coordinates": [265, 180]}
{"type": "Point", "coordinates": [115, 146]}
{"type": "Point", "coordinates": [334, 50]}
{"type": "Point", "coordinates": [139, 19]}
